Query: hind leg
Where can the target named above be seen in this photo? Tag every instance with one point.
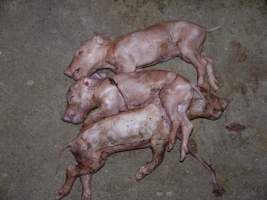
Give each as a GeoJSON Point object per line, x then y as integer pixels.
{"type": "Point", "coordinates": [169, 103]}
{"type": "Point", "coordinates": [191, 54]}
{"type": "Point", "coordinates": [187, 128]}
{"type": "Point", "coordinates": [158, 151]}
{"type": "Point", "coordinates": [72, 173]}
{"type": "Point", "coordinates": [176, 99]}
{"type": "Point", "coordinates": [211, 78]}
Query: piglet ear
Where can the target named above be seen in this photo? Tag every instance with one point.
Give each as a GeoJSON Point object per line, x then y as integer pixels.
{"type": "Point", "coordinates": [99, 39]}
{"type": "Point", "coordinates": [98, 75]}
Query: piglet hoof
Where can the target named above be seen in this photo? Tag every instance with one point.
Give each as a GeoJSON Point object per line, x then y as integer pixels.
{"type": "Point", "coordinates": [214, 85]}
{"type": "Point", "coordinates": [184, 151]}
{"type": "Point", "coordinates": [218, 190]}
{"type": "Point", "coordinates": [171, 144]}
{"type": "Point", "coordinates": [86, 197]}
{"type": "Point", "coordinates": [170, 147]}
{"type": "Point", "coordinates": [140, 174]}
{"type": "Point", "coordinates": [204, 86]}
{"type": "Point", "coordinates": [60, 194]}
{"type": "Point", "coordinates": [182, 157]}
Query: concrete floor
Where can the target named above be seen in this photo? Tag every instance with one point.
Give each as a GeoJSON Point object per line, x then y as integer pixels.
{"type": "Point", "coordinates": [37, 41]}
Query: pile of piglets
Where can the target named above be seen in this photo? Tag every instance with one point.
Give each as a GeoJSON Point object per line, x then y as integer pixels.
{"type": "Point", "coordinates": [132, 108]}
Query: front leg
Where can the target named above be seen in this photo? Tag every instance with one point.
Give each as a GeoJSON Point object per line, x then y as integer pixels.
{"type": "Point", "coordinates": [71, 174]}
{"type": "Point", "coordinates": [103, 111]}
{"type": "Point", "coordinates": [95, 115]}
{"type": "Point", "coordinates": [125, 64]}
{"type": "Point", "coordinates": [158, 155]}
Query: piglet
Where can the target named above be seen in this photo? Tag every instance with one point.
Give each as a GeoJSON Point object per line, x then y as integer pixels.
{"type": "Point", "coordinates": [146, 47]}
{"type": "Point", "coordinates": [147, 127]}
{"type": "Point", "coordinates": [179, 98]}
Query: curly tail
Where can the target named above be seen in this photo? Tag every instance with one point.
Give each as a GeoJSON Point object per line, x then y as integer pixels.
{"type": "Point", "coordinates": [215, 28]}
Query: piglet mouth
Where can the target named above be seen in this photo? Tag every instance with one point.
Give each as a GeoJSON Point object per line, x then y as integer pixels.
{"type": "Point", "coordinates": [67, 119]}
{"type": "Point", "coordinates": [75, 77]}
{"type": "Point", "coordinates": [73, 119]}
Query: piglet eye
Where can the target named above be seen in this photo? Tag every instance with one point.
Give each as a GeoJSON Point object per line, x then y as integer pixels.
{"type": "Point", "coordinates": [80, 52]}
{"type": "Point", "coordinates": [71, 97]}
{"type": "Point", "coordinates": [77, 70]}
{"type": "Point", "coordinates": [86, 83]}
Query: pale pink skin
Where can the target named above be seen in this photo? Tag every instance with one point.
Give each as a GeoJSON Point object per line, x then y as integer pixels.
{"type": "Point", "coordinates": [143, 48]}
{"type": "Point", "coordinates": [178, 97]}
{"type": "Point", "coordinates": [147, 127]}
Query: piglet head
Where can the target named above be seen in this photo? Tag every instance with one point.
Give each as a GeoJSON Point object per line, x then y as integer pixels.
{"type": "Point", "coordinates": [88, 57]}
{"type": "Point", "coordinates": [209, 106]}
{"type": "Point", "coordinates": [80, 99]}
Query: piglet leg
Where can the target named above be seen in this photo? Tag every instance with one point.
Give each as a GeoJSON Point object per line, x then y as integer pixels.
{"type": "Point", "coordinates": [158, 152]}
{"type": "Point", "coordinates": [187, 128]}
{"type": "Point", "coordinates": [71, 175]}
{"type": "Point", "coordinates": [86, 186]}
{"type": "Point", "coordinates": [105, 110]}
{"type": "Point", "coordinates": [72, 172]}
{"type": "Point", "coordinates": [211, 78]}
{"type": "Point", "coordinates": [172, 137]}
{"type": "Point", "coordinates": [191, 52]}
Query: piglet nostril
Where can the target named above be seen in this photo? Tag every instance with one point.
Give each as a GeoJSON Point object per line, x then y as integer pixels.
{"type": "Point", "coordinates": [66, 118]}
{"type": "Point", "coordinates": [71, 116]}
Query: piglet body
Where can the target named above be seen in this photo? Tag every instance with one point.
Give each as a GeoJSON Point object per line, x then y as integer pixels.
{"type": "Point", "coordinates": [141, 128]}
{"type": "Point", "coordinates": [154, 44]}
{"type": "Point", "coordinates": [123, 92]}
{"type": "Point", "coordinates": [147, 127]}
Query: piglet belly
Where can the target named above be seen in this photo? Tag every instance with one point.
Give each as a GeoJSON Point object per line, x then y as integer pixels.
{"type": "Point", "coordinates": [130, 130]}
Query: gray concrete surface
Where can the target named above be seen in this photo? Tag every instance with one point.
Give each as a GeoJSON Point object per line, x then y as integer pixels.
{"type": "Point", "coordinates": [37, 40]}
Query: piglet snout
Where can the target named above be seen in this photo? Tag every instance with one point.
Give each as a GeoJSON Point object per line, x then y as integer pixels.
{"type": "Point", "coordinates": [68, 117]}
{"type": "Point", "coordinates": [73, 117]}
{"type": "Point", "coordinates": [68, 72]}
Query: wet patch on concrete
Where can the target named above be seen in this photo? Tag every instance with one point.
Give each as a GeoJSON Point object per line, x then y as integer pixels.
{"type": "Point", "coordinates": [235, 127]}
{"type": "Point", "coordinates": [239, 53]}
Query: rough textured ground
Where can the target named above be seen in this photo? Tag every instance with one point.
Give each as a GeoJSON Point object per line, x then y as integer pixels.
{"type": "Point", "coordinates": [37, 40]}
